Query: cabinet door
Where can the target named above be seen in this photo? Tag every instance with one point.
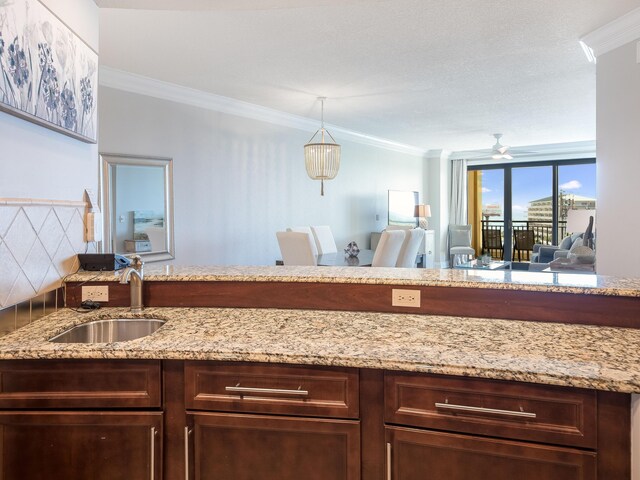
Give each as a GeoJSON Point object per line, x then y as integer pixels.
{"type": "Point", "coordinates": [256, 447]}
{"type": "Point", "coordinates": [80, 446]}
{"type": "Point", "coordinates": [424, 455]}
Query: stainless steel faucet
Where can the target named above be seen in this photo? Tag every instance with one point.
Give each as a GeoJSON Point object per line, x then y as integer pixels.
{"type": "Point", "coordinates": [134, 278]}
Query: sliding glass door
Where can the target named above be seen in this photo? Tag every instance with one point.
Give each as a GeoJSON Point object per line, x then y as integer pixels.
{"type": "Point", "coordinates": [531, 209]}
{"type": "Point", "coordinates": [512, 207]}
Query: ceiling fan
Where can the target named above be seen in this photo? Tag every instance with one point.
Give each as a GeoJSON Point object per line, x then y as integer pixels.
{"type": "Point", "coordinates": [497, 152]}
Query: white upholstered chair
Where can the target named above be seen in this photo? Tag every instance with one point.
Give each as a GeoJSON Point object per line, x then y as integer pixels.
{"type": "Point", "coordinates": [314, 247]}
{"type": "Point", "coordinates": [296, 248]}
{"type": "Point", "coordinates": [386, 254]}
{"type": "Point", "coordinates": [459, 242]}
{"type": "Point", "coordinates": [410, 246]}
{"type": "Point", "coordinates": [324, 239]}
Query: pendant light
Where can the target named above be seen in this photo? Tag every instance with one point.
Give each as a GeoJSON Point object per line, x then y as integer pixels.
{"type": "Point", "coordinates": [322, 159]}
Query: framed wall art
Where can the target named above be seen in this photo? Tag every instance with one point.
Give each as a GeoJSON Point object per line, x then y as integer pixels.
{"type": "Point", "coordinates": [48, 75]}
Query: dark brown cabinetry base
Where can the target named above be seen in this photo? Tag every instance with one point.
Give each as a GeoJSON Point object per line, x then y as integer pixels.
{"type": "Point", "coordinates": [287, 422]}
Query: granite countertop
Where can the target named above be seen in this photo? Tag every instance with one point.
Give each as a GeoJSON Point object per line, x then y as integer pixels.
{"type": "Point", "coordinates": [496, 279]}
{"type": "Point", "coordinates": [603, 358]}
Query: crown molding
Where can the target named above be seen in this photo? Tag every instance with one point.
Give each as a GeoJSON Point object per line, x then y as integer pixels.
{"type": "Point", "coordinates": [141, 85]}
{"type": "Point", "coordinates": [614, 34]}
{"type": "Point", "coordinates": [532, 153]}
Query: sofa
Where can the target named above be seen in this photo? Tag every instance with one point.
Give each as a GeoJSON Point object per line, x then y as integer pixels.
{"type": "Point", "coordinates": [548, 253]}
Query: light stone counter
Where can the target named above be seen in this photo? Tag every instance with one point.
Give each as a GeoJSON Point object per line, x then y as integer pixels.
{"type": "Point", "coordinates": [497, 279]}
{"type": "Point", "coordinates": [601, 358]}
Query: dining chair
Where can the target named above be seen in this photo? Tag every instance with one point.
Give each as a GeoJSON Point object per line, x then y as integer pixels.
{"type": "Point", "coordinates": [324, 239]}
{"type": "Point", "coordinates": [492, 240]}
{"type": "Point", "coordinates": [410, 247]}
{"type": "Point", "coordinates": [386, 254]}
{"type": "Point", "coordinates": [523, 241]}
{"type": "Point", "coordinates": [314, 247]}
{"type": "Point", "coordinates": [296, 248]}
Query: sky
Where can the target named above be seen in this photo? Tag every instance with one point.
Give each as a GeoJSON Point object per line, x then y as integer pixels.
{"type": "Point", "coordinates": [533, 183]}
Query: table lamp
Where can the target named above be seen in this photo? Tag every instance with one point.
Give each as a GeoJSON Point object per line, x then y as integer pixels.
{"type": "Point", "coordinates": [422, 212]}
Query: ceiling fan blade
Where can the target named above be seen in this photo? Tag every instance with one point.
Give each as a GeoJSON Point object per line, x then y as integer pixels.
{"type": "Point", "coordinates": [506, 156]}
{"type": "Point", "coordinates": [503, 149]}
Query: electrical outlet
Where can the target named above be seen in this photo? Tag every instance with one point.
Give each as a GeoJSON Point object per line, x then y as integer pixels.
{"type": "Point", "coordinates": [98, 293]}
{"type": "Point", "coordinates": [405, 298]}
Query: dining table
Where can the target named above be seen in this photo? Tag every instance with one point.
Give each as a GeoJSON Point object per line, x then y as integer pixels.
{"type": "Point", "coordinates": [341, 259]}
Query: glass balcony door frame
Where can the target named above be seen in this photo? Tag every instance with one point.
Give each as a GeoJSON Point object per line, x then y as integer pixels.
{"type": "Point", "coordinates": [508, 197]}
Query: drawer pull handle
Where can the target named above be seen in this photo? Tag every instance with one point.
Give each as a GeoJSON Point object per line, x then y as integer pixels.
{"type": "Point", "coordinates": [272, 391]}
{"type": "Point", "coordinates": [388, 461]}
{"type": "Point", "coordinates": [153, 453]}
{"type": "Point", "coordinates": [187, 432]}
{"type": "Point", "coordinates": [495, 411]}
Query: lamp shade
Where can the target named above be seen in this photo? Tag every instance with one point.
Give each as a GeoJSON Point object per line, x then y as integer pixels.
{"type": "Point", "coordinates": [322, 160]}
{"type": "Point", "coordinates": [421, 211]}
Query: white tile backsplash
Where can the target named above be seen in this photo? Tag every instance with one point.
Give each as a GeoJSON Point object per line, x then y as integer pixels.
{"type": "Point", "coordinates": [20, 237]}
{"type": "Point", "coordinates": [39, 240]}
{"type": "Point", "coordinates": [37, 215]}
{"type": "Point", "coordinates": [7, 214]}
{"type": "Point", "coordinates": [9, 270]}
{"type": "Point", "coordinates": [51, 233]}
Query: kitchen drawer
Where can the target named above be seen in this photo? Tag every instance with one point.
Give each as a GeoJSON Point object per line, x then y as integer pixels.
{"type": "Point", "coordinates": [558, 415]}
{"type": "Point", "coordinates": [80, 384]}
{"type": "Point", "coordinates": [414, 454]}
{"type": "Point", "coordinates": [266, 388]}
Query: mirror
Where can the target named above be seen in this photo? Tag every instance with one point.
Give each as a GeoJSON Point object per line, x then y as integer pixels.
{"type": "Point", "coordinates": [138, 206]}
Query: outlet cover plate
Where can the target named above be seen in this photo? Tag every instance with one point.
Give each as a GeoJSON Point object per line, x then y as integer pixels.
{"type": "Point", "coordinates": [97, 293]}
{"type": "Point", "coordinates": [405, 298]}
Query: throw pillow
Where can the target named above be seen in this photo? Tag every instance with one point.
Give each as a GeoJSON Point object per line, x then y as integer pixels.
{"type": "Point", "coordinates": [460, 238]}
{"type": "Point", "coordinates": [566, 243]}
{"type": "Point", "coordinates": [576, 243]}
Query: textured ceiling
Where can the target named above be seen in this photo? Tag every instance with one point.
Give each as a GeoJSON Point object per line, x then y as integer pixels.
{"type": "Point", "coordinates": [429, 73]}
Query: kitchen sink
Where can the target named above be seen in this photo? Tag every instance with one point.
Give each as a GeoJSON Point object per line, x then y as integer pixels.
{"type": "Point", "coordinates": [109, 330]}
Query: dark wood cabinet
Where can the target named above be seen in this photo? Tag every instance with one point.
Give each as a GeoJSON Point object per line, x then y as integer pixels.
{"type": "Point", "coordinates": [519, 411]}
{"type": "Point", "coordinates": [139, 420]}
{"type": "Point", "coordinates": [260, 424]}
{"type": "Point", "coordinates": [281, 389]}
{"type": "Point", "coordinates": [458, 428]}
{"type": "Point", "coordinates": [65, 384]}
{"type": "Point", "coordinates": [423, 454]}
{"type": "Point", "coordinates": [226, 446]}
{"type": "Point", "coordinates": [81, 420]}
{"type": "Point", "coordinates": [80, 446]}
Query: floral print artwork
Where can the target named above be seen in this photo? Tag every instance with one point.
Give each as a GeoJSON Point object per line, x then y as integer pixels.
{"type": "Point", "coordinates": [47, 74]}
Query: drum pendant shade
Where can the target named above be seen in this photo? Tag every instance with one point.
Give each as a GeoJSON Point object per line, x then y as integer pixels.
{"type": "Point", "coordinates": [322, 159]}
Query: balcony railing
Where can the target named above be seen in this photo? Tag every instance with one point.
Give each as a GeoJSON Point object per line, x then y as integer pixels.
{"type": "Point", "coordinates": [525, 234]}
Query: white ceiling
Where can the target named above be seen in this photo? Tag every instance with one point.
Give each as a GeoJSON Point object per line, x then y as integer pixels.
{"type": "Point", "coordinates": [428, 73]}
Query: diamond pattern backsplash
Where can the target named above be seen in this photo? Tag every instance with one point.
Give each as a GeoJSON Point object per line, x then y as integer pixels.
{"type": "Point", "coordinates": [39, 240]}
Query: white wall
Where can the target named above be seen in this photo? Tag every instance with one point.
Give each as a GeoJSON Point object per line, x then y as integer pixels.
{"type": "Point", "coordinates": [618, 168]}
{"type": "Point", "coordinates": [238, 181]}
{"type": "Point", "coordinates": [36, 162]}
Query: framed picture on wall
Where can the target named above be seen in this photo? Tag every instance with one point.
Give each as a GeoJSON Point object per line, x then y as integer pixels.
{"type": "Point", "coordinates": [401, 208]}
{"type": "Point", "coordinates": [48, 75]}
